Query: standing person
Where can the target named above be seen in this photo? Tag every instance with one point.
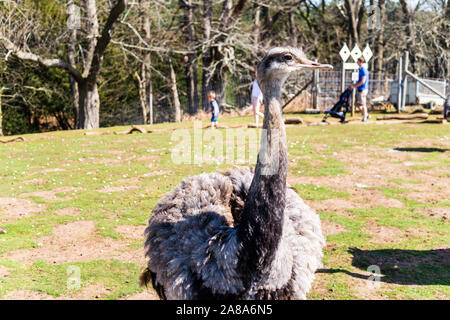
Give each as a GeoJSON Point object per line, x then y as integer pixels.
{"type": "Point", "coordinates": [362, 87]}
{"type": "Point", "coordinates": [257, 99]}
{"type": "Point", "coordinates": [214, 109]}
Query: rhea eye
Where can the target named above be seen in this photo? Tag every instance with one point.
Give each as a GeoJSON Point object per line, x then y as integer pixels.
{"type": "Point", "coordinates": [287, 57]}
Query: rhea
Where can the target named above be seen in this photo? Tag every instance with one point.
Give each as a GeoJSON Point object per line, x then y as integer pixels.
{"type": "Point", "coordinates": [271, 246]}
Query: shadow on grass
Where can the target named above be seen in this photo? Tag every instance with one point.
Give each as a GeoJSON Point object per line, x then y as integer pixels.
{"type": "Point", "coordinates": [421, 149]}
{"type": "Point", "coordinates": [405, 267]}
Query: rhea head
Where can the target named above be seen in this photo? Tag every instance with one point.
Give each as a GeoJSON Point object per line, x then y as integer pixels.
{"type": "Point", "coordinates": [279, 62]}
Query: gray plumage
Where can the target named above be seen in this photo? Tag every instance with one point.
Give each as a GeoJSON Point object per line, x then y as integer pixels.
{"type": "Point", "coordinates": [241, 234]}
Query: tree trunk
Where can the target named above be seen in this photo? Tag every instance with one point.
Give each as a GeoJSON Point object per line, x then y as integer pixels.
{"type": "Point", "coordinates": [91, 30]}
{"type": "Point", "coordinates": [173, 87]}
{"type": "Point", "coordinates": [206, 49]}
{"type": "Point", "coordinates": [380, 39]}
{"type": "Point", "coordinates": [408, 20]}
{"type": "Point", "coordinates": [218, 81]}
{"type": "Point", "coordinates": [145, 78]}
{"type": "Point", "coordinates": [293, 34]}
{"type": "Point", "coordinates": [142, 93]}
{"type": "Point", "coordinates": [89, 105]}
{"type": "Point", "coordinates": [191, 68]}
{"type": "Point", "coordinates": [71, 45]}
{"type": "Point", "coordinates": [354, 17]}
{"type": "Point", "coordinates": [256, 25]}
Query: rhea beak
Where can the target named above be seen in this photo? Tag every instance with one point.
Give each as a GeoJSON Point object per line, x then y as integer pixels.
{"type": "Point", "coordinates": [304, 63]}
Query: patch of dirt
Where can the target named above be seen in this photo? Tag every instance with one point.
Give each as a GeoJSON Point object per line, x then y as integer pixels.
{"type": "Point", "coordinates": [382, 234]}
{"type": "Point", "coordinates": [374, 198]}
{"type": "Point", "coordinates": [368, 289]}
{"type": "Point", "coordinates": [107, 189]}
{"type": "Point", "coordinates": [109, 161]}
{"type": "Point", "coordinates": [149, 157]}
{"type": "Point", "coordinates": [91, 292]}
{"type": "Point", "coordinates": [89, 143]}
{"type": "Point", "coordinates": [147, 294]}
{"type": "Point", "coordinates": [68, 211]}
{"type": "Point", "coordinates": [330, 204]}
{"type": "Point", "coordinates": [4, 271]}
{"type": "Point", "coordinates": [37, 181]}
{"type": "Point", "coordinates": [115, 152]}
{"type": "Point", "coordinates": [12, 209]}
{"type": "Point", "coordinates": [436, 212]}
{"type": "Point", "coordinates": [158, 173]}
{"type": "Point", "coordinates": [426, 197]}
{"type": "Point", "coordinates": [27, 295]}
{"type": "Point", "coordinates": [131, 232]}
{"type": "Point", "coordinates": [77, 242]}
{"type": "Point", "coordinates": [129, 180]}
{"type": "Point", "coordinates": [359, 197]}
{"type": "Point", "coordinates": [51, 194]}
{"type": "Point", "coordinates": [330, 228]}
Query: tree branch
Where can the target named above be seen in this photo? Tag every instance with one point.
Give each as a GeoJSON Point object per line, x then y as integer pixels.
{"type": "Point", "coordinates": [105, 39]}
{"type": "Point", "coordinates": [49, 63]}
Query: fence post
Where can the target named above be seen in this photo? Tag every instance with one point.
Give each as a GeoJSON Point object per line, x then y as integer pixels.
{"type": "Point", "coordinates": [353, 101]}
{"type": "Point", "coordinates": [315, 88]}
{"type": "Point", "coordinates": [399, 85]}
{"type": "Point", "coordinates": [404, 89]}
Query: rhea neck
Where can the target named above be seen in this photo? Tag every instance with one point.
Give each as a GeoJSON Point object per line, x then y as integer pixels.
{"type": "Point", "coordinates": [260, 228]}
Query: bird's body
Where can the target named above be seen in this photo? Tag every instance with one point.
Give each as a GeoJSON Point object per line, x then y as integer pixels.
{"type": "Point", "coordinates": [194, 250]}
{"type": "Point", "coordinates": [243, 234]}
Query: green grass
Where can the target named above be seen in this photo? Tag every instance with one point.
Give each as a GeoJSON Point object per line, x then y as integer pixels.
{"type": "Point", "coordinates": [313, 192]}
{"type": "Point", "coordinates": [118, 277]}
{"type": "Point", "coordinates": [92, 163]}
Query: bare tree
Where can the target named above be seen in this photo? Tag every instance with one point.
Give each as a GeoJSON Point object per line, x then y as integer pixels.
{"type": "Point", "coordinates": [380, 44]}
{"type": "Point", "coordinates": [222, 51]}
{"type": "Point", "coordinates": [145, 75]}
{"type": "Point", "coordinates": [207, 55]}
{"type": "Point", "coordinates": [409, 15]}
{"type": "Point", "coordinates": [173, 87]}
{"type": "Point", "coordinates": [190, 59]}
{"type": "Point", "coordinates": [352, 11]}
{"type": "Point", "coordinates": [88, 99]}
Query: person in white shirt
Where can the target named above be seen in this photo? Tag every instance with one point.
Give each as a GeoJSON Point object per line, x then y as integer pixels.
{"type": "Point", "coordinates": [257, 100]}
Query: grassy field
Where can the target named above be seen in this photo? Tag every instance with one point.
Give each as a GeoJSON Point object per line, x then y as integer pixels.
{"type": "Point", "coordinates": [74, 208]}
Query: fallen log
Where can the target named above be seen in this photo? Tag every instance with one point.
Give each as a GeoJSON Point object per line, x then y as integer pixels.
{"type": "Point", "coordinates": [437, 111]}
{"type": "Point", "coordinates": [297, 120]}
{"type": "Point", "coordinates": [433, 121]}
{"type": "Point", "coordinates": [404, 116]}
{"type": "Point", "coordinates": [96, 133]}
{"type": "Point", "coordinates": [131, 130]}
{"type": "Point", "coordinates": [318, 124]}
{"type": "Point", "coordinates": [13, 140]}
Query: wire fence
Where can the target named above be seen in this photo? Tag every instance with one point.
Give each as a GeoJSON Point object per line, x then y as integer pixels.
{"type": "Point", "coordinates": [330, 87]}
